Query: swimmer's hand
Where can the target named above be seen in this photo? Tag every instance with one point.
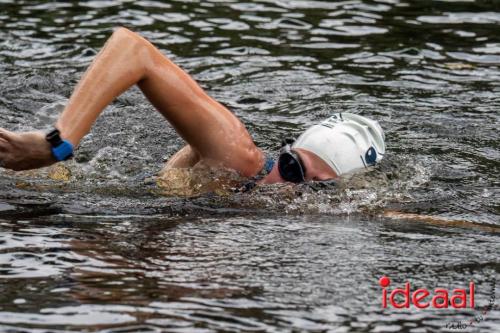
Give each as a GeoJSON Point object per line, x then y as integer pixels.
{"type": "Point", "coordinates": [24, 151]}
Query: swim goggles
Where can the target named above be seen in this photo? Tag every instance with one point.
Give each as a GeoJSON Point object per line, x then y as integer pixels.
{"type": "Point", "coordinates": [290, 165]}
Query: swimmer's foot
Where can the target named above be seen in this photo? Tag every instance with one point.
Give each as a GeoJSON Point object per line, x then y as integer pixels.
{"type": "Point", "coordinates": [24, 151]}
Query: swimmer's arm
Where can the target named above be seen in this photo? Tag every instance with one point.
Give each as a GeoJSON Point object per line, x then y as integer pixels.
{"type": "Point", "coordinates": [128, 59]}
{"type": "Point", "coordinates": [187, 157]}
{"type": "Point", "coordinates": [440, 221]}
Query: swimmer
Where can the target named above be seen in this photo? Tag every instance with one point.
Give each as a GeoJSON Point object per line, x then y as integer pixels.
{"type": "Point", "coordinates": [340, 144]}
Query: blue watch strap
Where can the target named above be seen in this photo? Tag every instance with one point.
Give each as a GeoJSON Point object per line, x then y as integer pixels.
{"type": "Point", "coordinates": [63, 151]}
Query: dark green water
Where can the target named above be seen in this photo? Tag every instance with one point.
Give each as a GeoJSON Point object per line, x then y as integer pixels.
{"type": "Point", "coordinates": [103, 252]}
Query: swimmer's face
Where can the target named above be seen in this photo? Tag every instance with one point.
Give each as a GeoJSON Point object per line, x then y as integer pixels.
{"type": "Point", "coordinates": [316, 169]}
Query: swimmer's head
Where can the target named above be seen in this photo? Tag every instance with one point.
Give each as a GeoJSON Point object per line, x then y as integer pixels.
{"type": "Point", "coordinates": [345, 141]}
{"type": "Point", "coordinates": [338, 145]}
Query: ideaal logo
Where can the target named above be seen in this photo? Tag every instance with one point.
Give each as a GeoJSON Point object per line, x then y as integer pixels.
{"type": "Point", "coordinates": [440, 298]}
{"type": "Point", "coordinates": [422, 298]}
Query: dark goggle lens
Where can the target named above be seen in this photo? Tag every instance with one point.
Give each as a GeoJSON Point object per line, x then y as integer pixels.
{"type": "Point", "coordinates": [290, 169]}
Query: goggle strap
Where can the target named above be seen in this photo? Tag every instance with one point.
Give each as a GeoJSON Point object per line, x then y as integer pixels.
{"type": "Point", "coordinates": [287, 141]}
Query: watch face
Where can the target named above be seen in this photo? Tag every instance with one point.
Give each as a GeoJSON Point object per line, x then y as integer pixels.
{"type": "Point", "coordinates": [53, 137]}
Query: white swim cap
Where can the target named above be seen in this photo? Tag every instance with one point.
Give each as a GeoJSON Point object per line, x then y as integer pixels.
{"type": "Point", "coordinates": [345, 141]}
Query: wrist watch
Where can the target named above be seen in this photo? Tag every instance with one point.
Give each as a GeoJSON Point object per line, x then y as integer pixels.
{"type": "Point", "coordinates": [62, 150]}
